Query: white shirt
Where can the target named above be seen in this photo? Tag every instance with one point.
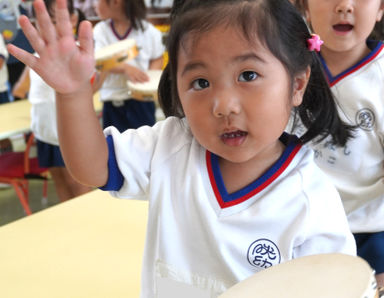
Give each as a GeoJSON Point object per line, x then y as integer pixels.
{"type": "Point", "coordinates": [43, 110]}
{"type": "Point", "coordinates": [3, 69]}
{"type": "Point", "coordinates": [205, 239]}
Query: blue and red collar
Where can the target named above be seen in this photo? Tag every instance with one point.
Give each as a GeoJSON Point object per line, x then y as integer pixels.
{"type": "Point", "coordinates": [225, 199]}
{"type": "Point", "coordinates": [376, 47]}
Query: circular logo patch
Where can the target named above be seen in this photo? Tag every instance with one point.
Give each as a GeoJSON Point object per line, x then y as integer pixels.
{"type": "Point", "coordinates": [365, 119]}
{"type": "Point", "coordinates": [263, 253]}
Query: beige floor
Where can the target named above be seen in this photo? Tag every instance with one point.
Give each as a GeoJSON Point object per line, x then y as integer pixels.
{"type": "Point", "coordinates": [10, 207]}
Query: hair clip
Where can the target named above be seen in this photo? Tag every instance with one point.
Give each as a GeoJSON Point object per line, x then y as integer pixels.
{"type": "Point", "coordinates": [314, 43]}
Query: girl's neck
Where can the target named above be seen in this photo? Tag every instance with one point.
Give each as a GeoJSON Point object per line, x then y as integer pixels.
{"type": "Point", "coordinates": [238, 175]}
{"type": "Point", "coordinates": [337, 62]}
{"type": "Point", "coordinates": [121, 25]}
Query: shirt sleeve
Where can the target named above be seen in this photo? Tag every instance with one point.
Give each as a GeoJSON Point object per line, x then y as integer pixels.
{"type": "Point", "coordinates": [326, 228]}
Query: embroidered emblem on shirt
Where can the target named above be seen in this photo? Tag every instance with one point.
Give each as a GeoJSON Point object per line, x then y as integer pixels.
{"type": "Point", "coordinates": [365, 119]}
{"type": "Point", "coordinates": [263, 253]}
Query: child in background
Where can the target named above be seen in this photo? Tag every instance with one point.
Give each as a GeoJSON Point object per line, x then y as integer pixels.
{"type": "Point", "coordinates": [354, 65]}
{"type": "Point", "coordinates": [44, 127]}
{"type": "Point", "coordinates": [230, 193]}
{"type": "Point", "coordinates": [3, 72]}
{"type": "Point", "coordinates": [126, 19]}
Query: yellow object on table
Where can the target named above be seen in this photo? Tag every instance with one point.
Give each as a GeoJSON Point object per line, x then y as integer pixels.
{"type": "Point", "coordinates": [90, 246]}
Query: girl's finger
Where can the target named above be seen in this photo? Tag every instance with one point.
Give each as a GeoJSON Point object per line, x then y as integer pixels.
{"type": "Point", "coordinates": [22, 55]}
{"type": "Point", "coordinates": [32, 35]}
{"type": "Point", "coordinates": [85, 37]}
{"type": "Point", "coordinates": [63, 23]}
{"type": "Point", "coordinates": [44, 23]}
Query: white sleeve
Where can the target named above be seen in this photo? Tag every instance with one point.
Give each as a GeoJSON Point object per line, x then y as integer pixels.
{"type": "Point", "coordinates": [3, 49]}
{"type": "Point", "coordinates": [326, 229]}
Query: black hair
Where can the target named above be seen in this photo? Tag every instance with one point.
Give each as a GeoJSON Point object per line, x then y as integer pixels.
{"type": "Point", "coordinates": [71, 9]}
{"type": "Point", "coordinates": [135, 11]}
{"type": "Point", "coordinates": [281, 28]}
{"type": "Point", "coordinates": [376, 34]}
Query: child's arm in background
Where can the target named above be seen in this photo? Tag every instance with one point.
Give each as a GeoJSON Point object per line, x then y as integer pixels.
{"type": "Point", "coordinates": [156, 63]}
{"type": "Point", "coordinates": [68, 68]}
{"type": "Point", "coordinates": [133, 73]}
{"type": "Point", "coordinates": [21, 88]}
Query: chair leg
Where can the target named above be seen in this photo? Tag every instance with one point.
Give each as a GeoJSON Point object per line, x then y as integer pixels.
{"type": "Point", "coordinates": [22, 194]}
{"type": "Point", "coordinates": [44, 199]}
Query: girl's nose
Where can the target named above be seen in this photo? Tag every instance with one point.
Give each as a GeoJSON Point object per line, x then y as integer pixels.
{"type": "Point", "coordinates": [226, 102]}
{"type": "Point", "coordinates": [344, 6]}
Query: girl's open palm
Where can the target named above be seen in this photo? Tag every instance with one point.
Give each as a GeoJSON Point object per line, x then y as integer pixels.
{"type": "Point", "coordinates": [62, 63]}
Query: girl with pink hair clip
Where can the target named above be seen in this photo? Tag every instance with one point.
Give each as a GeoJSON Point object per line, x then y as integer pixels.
{"type": "Point", "coordinates": [353, 59]}
{"type": "Point", "coordinates": [230, 193]}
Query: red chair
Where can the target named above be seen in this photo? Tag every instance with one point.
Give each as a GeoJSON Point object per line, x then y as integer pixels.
{"type": "Point", "coordinates": [17, 168]}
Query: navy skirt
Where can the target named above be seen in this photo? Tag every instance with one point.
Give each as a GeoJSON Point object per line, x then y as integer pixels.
{"type": "Point", "coordinates": [49, 155]}
{"type": "Point", "coordinates": [370, 247]}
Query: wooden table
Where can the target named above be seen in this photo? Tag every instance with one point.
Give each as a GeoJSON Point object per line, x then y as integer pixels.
{"type": "Point", "coordinates": [88, 247]}
{"type": "Point", "coordinates": [15, 116]}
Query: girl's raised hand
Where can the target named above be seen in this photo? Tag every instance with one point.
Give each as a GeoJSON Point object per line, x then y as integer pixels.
{"type": "Point", "coordinates": [63, 64]}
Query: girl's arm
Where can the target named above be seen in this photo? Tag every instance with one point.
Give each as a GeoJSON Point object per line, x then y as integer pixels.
{"type": "Point", "coordinates": [156, 63]}
{"type": "Point", "coordinates": [68, 68]}
{"type": "Point", "coordinates": [133, 73]}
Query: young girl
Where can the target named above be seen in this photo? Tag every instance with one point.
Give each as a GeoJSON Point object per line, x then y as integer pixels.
{"type": "Point", "coordinates": [354, 65]}
{"type": "Point", "coordinates": [229, 192]}
{"type": "Point", "coordinates": [43, 124]}
{"type": "Point", "coordinates": [126, 19]}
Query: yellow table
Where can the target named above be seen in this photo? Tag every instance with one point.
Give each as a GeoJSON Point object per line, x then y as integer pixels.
{"type": "Point", "coordinates": [15, 116]}
{"type": "Point", "coordinates": [88, 247]}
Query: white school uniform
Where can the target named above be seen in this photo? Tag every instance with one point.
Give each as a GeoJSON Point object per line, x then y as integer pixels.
{"type": "Point", "coordinates": [3, 70]}
{"type": "Point", "coordinates": [43, 110]}
{"type": "Point", "coordinates": [202, 239]}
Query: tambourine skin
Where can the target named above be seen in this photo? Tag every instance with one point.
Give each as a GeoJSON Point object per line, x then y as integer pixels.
{"type": "Point", "coordinates": [114, 54]}
{"type": "Point", "coordinates": [316, 276]}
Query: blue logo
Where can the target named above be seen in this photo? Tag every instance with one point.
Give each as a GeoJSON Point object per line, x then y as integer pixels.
{"type": "Point", "coordinates": [263, 253]}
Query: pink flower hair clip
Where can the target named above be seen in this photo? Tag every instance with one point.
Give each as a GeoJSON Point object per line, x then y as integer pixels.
{"type": "Point", "coordinates": [314, 43]}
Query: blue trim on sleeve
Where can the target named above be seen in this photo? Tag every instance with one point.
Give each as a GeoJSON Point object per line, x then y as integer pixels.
{"type": "Point", "coordinates": [115, 178]}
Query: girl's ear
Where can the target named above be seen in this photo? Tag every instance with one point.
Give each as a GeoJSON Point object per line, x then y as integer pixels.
{"type": "Point", "coordinates": [300, 83]}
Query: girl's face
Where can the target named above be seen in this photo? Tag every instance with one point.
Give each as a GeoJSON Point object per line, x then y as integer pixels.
{"type": "Point", "coordinates": [236, 96]}
{"type": "Point", "coordinates": [344, 25]}
{"type": "Point", "coordinates": [103, 9]}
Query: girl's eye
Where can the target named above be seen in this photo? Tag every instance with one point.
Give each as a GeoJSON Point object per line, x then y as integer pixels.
{"type": "Point", "coordinates": [200, 84]}
{"type": "Point", "coordinates": [247, 76]}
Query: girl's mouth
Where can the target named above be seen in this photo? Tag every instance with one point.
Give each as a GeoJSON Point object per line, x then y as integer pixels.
{"type": "Point", "coordinates": [343, 28]}
{"type": "Point", "coordinates": [234, 138]}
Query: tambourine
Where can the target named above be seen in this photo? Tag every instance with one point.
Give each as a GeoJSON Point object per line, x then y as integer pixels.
{"type": "Point", "coordinates": [114, 54]}
{"type": "Point", "coordinates": [146, 91]}
{"type": "Point", "coordinates": [316, 276]}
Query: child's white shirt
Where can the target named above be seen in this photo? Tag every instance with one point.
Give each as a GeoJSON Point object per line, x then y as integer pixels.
{"type": "Point", "coordinates": [202, 238]}
{"type": "Point", "coordinates": [150, 45]}
{"type": "Point", "coordinates": [3, 70]}
{"type": "Point", "coordinates": [43, 109]}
